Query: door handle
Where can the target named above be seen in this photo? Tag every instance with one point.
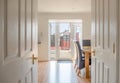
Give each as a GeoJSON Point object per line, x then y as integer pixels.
{"type": "Point", "coordinates": [93, 52]}
{"type": "Point", "coordinates": [34, 58]}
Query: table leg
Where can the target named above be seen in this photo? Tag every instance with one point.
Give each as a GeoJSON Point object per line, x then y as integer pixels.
{"type": "Point", "coordinates": [87, 64]}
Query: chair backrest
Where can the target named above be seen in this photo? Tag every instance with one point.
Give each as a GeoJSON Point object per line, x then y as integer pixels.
{"type": "Point", "coordinates": [76, 53]}
{"type": "Point", "coordinates": [81, 61]}
{"type": "Point", "coordinates": [79, 50]}
{"type": "Point", "coordinates": [75, 50]}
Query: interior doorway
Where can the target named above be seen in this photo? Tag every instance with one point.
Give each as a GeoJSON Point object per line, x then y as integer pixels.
{"type": "Point", "coordinates": [61, 38]}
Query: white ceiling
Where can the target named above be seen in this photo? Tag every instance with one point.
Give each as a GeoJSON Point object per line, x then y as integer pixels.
{"type": "Point", "coordinates": [60, 6]}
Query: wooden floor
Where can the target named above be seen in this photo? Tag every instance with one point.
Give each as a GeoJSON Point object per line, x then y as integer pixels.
{"type": "Point", "coordinates": [58, 72]}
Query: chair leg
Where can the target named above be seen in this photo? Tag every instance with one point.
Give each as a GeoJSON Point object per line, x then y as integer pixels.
{"type": "Point", "coordinates": [75, 66]}
{"type": "Point", "coordinates": [78, 73]}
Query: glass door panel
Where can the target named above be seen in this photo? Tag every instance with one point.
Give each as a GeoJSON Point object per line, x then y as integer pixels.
{"type": "Point", "coordinates": [64, 37]}
{"type": "Point", "coordinates": [52, 40]}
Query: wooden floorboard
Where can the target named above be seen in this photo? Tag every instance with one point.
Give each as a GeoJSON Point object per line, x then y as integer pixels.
{"type": "Point", "coordinates": [59, 72]}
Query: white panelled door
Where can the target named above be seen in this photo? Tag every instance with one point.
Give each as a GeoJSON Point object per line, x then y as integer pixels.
{"type": "Point", "coordinates": [104, 41]}
{"type": "Point", "coordinates": [18, 41]}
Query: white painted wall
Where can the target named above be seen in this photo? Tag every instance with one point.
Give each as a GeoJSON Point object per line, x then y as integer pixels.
{"type": "Point", "coordinates": [43, 28]}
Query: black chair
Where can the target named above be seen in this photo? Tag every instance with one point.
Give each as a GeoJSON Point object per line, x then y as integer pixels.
{"type": "Point", "coordinates": [80, 60]}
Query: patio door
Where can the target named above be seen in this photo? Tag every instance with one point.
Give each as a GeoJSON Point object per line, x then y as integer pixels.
{"type": "Point", "coordinates": [60, 40]}
{"type": "Point", "coordinates": [62, 36]}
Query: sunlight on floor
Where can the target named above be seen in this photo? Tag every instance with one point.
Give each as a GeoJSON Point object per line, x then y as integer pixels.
{"type": "Point", "coordinates": [58, 72]}
{"type": "Point", "coordinates": [62, 71]}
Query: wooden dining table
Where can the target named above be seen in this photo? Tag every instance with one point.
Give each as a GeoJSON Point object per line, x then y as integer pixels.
{"type": "Point", "coordinates": [87, 58]}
